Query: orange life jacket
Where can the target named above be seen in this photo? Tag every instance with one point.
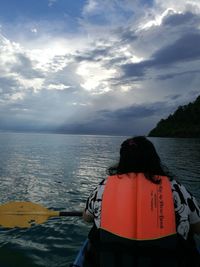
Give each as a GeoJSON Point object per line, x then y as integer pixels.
{"type": "Point", "coordinates": [138, 226]}
{"type": "Point", "coordinates": [135, 208]}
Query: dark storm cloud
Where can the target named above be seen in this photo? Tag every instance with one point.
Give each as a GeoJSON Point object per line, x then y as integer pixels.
{"type": "Point", "coordinates": [173, 75]}
{"type": "Point", "coordinates": [127, 120]}
{"type": "Point", "coordinates": [181, 19]}
{"type": "Point", "coordinates": [134, 112]}
{"type": "Point", "coordinates": [185, 49]}
{"type": "Point", "coordinates": [135, 70]}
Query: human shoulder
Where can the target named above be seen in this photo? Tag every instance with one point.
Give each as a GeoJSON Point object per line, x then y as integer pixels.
{"type": "Point", "coordinates": [180, 188]}
{"type": "Point", "coordinates": [183, 200]}
{"type": "Point", "coordinates": [97, 191]}
{"type": "Point", "coordinates": [100, 188]}
{"type": "Point", "coordinates": [103, 182]}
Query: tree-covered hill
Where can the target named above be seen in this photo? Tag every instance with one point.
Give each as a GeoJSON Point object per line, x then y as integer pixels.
{"type": "Point", "coordinates": [185, 122]}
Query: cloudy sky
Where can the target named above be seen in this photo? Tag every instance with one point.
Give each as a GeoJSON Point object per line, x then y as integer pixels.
{"type": "Point", "coordinates": [96, 66]}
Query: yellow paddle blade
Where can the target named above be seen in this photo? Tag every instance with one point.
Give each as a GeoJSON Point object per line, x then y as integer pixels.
{"type": "Point", "coordinates": [24, 214]}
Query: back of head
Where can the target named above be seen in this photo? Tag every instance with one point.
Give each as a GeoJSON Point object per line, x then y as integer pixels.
{"type": "Point", "coordinates": [137, 155]}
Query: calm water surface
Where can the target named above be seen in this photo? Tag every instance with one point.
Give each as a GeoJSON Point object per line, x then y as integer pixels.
{"type": "Point", "coordinates": [59, 171]}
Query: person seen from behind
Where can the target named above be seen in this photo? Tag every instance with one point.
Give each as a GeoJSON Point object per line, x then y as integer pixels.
{"type": "Point", "coordinates": [141, 215]}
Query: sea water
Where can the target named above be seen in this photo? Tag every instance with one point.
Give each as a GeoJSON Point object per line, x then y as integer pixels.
{"type": "Point", "coordinates": [58, 172]}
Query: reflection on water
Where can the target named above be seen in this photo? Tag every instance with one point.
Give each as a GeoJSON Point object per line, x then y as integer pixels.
{"type": "Point", "coordinates": [59, 171]}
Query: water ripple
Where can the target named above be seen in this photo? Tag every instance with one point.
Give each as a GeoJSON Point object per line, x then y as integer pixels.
{"type": "Point", "coordinates": [59, 171]}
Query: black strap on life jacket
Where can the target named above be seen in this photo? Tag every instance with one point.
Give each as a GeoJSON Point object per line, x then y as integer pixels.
{"type": "Point", "coordinates": [108, 250]}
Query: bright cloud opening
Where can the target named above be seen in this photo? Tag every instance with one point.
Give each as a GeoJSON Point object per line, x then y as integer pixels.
{"type": "Point", "coordinates": [94, 75]}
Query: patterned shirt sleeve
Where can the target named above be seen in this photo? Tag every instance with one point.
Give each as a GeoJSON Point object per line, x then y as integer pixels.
{"type": "Point", "coordinates": [187, 209]}
{"type": "Point", "coordinates": [93, 204]}
{"type": "Point", "coordinates": [90, 201]}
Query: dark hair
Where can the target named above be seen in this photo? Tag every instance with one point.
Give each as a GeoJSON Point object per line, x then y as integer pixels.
{"type": "Point", "coordinates": [137, 155]}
